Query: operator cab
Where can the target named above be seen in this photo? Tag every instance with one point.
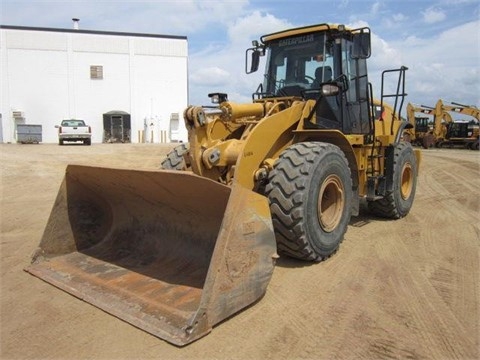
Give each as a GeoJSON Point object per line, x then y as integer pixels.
{"type": "Point", "coordinates": [299, 65]}
{"type": "Point", "coordinates": [422, 124]}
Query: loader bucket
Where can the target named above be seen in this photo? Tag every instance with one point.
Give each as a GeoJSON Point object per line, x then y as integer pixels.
{"type": "Point", "coordinates": [170, 252]}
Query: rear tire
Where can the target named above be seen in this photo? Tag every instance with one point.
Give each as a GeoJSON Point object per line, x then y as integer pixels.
{"type": "Point", "coordinates": [175, 159]}
{"type": "Point", "coordinates": [310, 195]}
{"type": "Point", "coordinates": [475, 145]}
{"type": "Point", "coordinates": [398, 202]}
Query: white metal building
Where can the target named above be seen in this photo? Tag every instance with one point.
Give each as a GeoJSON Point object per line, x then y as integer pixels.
{"type": "Point", "coordinates": [47, 75]}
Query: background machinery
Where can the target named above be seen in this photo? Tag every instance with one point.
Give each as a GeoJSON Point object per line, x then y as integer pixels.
{"type": "Point", "coordinates": [176, 252]}
{"type": "Point", "coordinates": [450, 132]}
{"type": "Point", "coordinates": [421, 133]}
{"type": "Point", "coordinates": [464, 133]}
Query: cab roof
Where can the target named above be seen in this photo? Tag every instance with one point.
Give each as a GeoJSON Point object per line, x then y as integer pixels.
{"type": "Point", "coordinates": [300, 31]}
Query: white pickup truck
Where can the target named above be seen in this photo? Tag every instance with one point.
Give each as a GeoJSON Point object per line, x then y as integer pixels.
{"type": "Point", "coordinates": [74, 130]}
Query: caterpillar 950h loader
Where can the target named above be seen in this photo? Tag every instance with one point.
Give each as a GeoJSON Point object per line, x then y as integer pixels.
{"type": "Point", "coordinates": [176, 252]}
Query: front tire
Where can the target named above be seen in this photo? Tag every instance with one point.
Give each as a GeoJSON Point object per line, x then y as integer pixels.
{"type": "Point", "coordinates": [310, 195]}
{"type": "Point", "coordinates": [175, 159]}
{"type": "Point", "coordinates": [398, 201]}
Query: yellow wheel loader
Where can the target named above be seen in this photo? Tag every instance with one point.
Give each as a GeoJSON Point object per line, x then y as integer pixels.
{"type": "Point", "coordinates": [178, 250]}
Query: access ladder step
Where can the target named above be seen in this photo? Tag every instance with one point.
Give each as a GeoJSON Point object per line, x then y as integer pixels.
{"type": "Point", "coordinates": [376, 188]}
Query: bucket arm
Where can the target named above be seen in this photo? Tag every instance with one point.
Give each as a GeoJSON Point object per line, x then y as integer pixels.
{"type": "Point", "coordinates": [457, 108]}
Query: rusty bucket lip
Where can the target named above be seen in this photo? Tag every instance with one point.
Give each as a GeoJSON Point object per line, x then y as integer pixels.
{"type": "Point", "coordinates": [160, 328]}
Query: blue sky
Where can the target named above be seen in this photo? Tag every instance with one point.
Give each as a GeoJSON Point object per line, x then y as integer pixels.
{"type": "Point", "coordinates": [438, 40]}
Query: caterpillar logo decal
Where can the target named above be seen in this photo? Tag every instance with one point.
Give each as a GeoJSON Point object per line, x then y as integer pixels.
{"type": "Point", "coordinates": [297, 40]}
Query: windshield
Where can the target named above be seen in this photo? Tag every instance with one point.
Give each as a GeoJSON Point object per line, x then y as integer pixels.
{"type": "Point", "coordinates": [73, 123]}
{"type": "Point", "coordinates": [301, 62]}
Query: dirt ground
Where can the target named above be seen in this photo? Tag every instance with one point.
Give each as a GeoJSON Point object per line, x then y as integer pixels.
{"type": "Point", "coordinates": [405, 289]}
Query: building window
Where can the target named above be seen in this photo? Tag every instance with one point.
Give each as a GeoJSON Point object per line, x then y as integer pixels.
{"type": "Point", "coordinates": [96, 72]}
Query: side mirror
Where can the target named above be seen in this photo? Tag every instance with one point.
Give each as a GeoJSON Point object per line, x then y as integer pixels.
{"type": "Point", "coordinates": [252, 58]}
{"type": "Point", "coordinates": [325, 90]}
{"type": "Point", "coordinates": [330, 89]}
{"type": "Point", "coordinates": [361, 44]}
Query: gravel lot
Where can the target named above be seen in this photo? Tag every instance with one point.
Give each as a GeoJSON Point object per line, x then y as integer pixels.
{"type": "Point", "coordinates": [405, 289]}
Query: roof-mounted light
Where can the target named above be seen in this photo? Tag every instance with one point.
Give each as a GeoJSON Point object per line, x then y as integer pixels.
{"type": "Point", "coordinates": [218, 98]}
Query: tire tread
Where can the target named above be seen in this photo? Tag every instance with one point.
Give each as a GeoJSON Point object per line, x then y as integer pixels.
{"type": "Point", "coordinates": [286, 189]}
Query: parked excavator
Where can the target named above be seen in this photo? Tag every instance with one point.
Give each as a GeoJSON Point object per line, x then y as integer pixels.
{"type": "Point", "coordinates": [464, 133]}
{"type": "Point", "coordinates": [449, 132]}
{"type": "Point", "coordinates": [176, 252]}
{"type": "Point", "coordinates": [421, 133]}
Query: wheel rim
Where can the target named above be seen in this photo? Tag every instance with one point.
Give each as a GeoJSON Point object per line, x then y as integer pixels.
{"type": "Point", "coordinates": [331, 201]}
{"type": "Point", "coordinates": [407, 181]}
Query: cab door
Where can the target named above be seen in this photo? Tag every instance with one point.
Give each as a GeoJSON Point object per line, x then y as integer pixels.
{"type": "Point", "coordinates": [355, 51]}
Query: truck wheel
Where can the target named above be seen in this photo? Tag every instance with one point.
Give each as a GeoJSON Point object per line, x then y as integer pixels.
{"type": "Point", "coordinates": [310, 195]}
{"type": "Point", "coordinates": [475, 145]}
{"type": "Point", "coordinates": [398, 202]}
{"type": "Point", "coordinates": [175, 159]}
{"type": "Point", "coordinates": [60, 142]}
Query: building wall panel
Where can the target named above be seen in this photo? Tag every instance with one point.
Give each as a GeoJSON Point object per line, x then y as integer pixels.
{"type": "Point", "coordinates": [100, 44]}
{"type": "Point", "coordinates": [161, 47]}
{"type": "Point", "coordinates": [94, 97]}
{"type": "Point", "coordinates": [36, 40]}
{"type": "Point", "coordinates": [37, 86]}
{"type": "Point", "coordinates": [161, 81]}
